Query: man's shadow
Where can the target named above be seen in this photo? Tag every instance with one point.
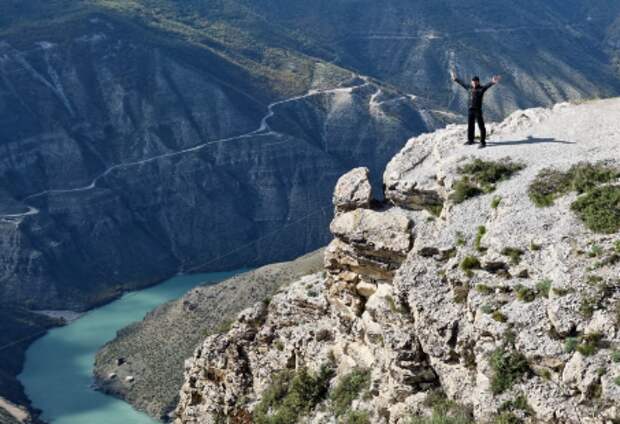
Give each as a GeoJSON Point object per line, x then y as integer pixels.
{"type": "Point", "coordinates": [529, 140]}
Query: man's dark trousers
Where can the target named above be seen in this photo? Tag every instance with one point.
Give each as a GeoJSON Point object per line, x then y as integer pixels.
{"type": "Point", "coordinates": [475, 115]}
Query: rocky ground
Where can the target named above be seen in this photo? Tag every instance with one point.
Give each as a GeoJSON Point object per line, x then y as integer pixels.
{"type": "Point", "coordinates": [153, 350]}
{"type": "Point", "coordinates": [483, 289]}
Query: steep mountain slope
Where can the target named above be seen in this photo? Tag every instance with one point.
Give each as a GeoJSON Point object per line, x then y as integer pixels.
{"type": "Point", "coordinates": [485, 287]}
{"type": "Point", "coordinates": [118, 148]}
{"type": "Point", "coordinates": [155, 349]}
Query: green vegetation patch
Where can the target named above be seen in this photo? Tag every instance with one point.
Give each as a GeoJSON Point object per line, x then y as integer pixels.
{"type": "Point", "coordinates": [514, 254]}
{"type": "Point", "coordinates": [508, 367]}
{"type": "Point", "coordinates": [587, 344]}
{"type": "Point", "coordinates": [348, 389]}
{"type": "Point", "coordinates": [469, 263]}
{"type": "Point", "coordinates": [599, 209]}
{"type": "Point", "coordinates": [444, 411]}
{"type": "Point", "coordinates": [550, 184]}
{"type": "Point", "coordinates": [292, 395]}
{"type": "Point", "coordinates": [479, 176]}
{"type": "Point", "coordinates": [357, 417]}
{"type": "Point", "coordinates": [478, 241]}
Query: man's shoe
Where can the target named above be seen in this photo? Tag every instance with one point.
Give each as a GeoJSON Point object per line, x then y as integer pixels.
{"type": "Point", "coordinates": [482, 146]}
{"type": "Point", "coordinates": [469, 143]}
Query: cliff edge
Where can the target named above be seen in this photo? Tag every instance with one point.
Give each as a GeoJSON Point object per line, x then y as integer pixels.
{"type": "Point", "coordinates": [484, 288]}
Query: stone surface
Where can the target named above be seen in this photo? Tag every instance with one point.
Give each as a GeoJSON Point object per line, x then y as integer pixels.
{"type": "Point", "coordinates": [353, 190]}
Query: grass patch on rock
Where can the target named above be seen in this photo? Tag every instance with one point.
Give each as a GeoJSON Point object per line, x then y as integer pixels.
{"type": "Point", "coordinates": [444, 411]}
{"type": "Point", "coordinates": [348, 389]}
{"type": "Point", "coordinates": [508, 367]}
{"type": "Point", "coordinates": [480, 176]}
{"type": "Point", "coordinates": [292, 395]}
{"type": "Point", "coordinates": [550, 184]}
{"type": "Point", "coordinates": [599, 209]}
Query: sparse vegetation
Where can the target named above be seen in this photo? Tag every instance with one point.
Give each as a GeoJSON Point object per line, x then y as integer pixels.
{"type": "Point", "coordinates": [544, 287]}
{"type": "Point", "coordinates": [551, 184]}
{"type": "Point", "coordinates": [497, 200]}
{"type": "Point", "coordinates": [470, 263]}
{"type": "Point", "coordinates": [444, 411]}
{"type": "Point", "coordinates": [508, 408]}
{"type": "Point", "coordinates": [499, 317]}
{"type": "Point", "coordinates": [484, 289]}
{"type": "Point", "coordinates": [599, 209]}
{"type": "Point", "coordinates": [464, 189]}
{"type": "Point", "coordinates": [508, 367]}
{"type": "Point", "coordinates": [587, 345]}
{"type": "Point", "coordinates": [357, 417]}
{"type": "Point", "coordinates": [615, 356]}
{"type": "Point", "coordinates": [525, 294]}
{"type": "Point", "coordinates": [513, 253]}
{"type": "Point", "coordinates": [587, 306]}
{"type": "Point", "coordinates": [348, 389]}
{"type": "Point", "coordinates": [480, 176]}
{"type": "Point", "coordinates": [292, 395]}
{"type": "Point", "coordinates": [478, 241]}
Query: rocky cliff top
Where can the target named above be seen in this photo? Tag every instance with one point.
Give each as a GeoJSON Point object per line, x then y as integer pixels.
{"type": "Point", "coordinates": [483, 288]}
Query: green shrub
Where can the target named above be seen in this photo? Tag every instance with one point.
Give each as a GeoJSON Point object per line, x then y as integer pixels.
{"type": "Point", "coordinates": [587, 345]}
{"type": "Point", "coordinates": [586, 176]}
{"type": "Point", "coordinates": [615, 356]}
{"type": "Point", "coordinates": [617, 246]}
{"type": "Point", "coordinates": [480, 176]}
{"type": "Point", "coordinates": [478, 241]}
{"type": "Point", "coordinates": [484, 289]}
{"type": "Point", "coordinates": [497, 200]}
{"type": "Point", "coordinates": [487, 309]}
{"type": "Point", "coordinates": [464, 189]}
{"type": "Point", "coordinates": [550, 184]}
{"type": "Point", "coordinates": [487, 173]}
{"type": "Point", "coordinates": [587, 306]}
{"type": "Point", "coordinates": [357, 417]}
{"type": "Point", "coordinates": [444, 411]}
{"type": "Point", "coordinates": [507, 418]}
{"type": "Point", "coordinates": [570, 344]}
{"type": "Point", "coordinates": [513, 253]}
{"type": "Point", "coordinates": [348, 389]}
{"type": "Point", "coordinates": [499, 317]}
{"type": "Point", "coordinates": [595, 251]}
{"type": "Point", "coordinates": [469, 263]}
{"type": "Point", "coordinates": [292, 395]}
{"type": "Point", "coordinates": [543, 287]}
{"type": "Point", "coordinates": [599, 209]}
{"type": "Point", "coordinates": [507, 408]}
{"type": "Point", "coordinates": [508, 366]}
{"type": "Point", "coordinates": [534, 247]}
{"type": "Point", "coordinates": [525, 294]}
{"type": "Point", "coordinates": [617, 381]}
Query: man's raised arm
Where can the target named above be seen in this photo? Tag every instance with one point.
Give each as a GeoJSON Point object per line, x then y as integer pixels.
{"type": "Point", "coordinates": [495, 80]}
{"type": "Point", "coordinates": [457, 80]}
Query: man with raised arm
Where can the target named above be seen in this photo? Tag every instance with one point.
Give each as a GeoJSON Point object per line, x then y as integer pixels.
{"type": "Point", "coordinates": [476, 95]}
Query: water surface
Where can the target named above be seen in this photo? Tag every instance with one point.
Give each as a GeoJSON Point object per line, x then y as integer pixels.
{"type": "Point", "coordinates": [58, 372]}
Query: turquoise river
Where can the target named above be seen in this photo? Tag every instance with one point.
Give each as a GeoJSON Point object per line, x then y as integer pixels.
{"type": "Point", "coordinates": [58, 372]}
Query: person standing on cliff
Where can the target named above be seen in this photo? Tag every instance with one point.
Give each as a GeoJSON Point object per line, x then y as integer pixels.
{"type": "Point", "coordinates": [476, 95]}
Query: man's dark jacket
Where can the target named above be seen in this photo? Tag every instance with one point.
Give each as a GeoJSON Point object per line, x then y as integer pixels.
{"type": "Point", "coordinates": [476, 94]}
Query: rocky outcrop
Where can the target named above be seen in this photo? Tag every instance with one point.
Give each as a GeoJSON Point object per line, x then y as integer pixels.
{"type": "Point", "coordinates": [152, 351]}
{"type": "Point", "coordinates": [508, 309]}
